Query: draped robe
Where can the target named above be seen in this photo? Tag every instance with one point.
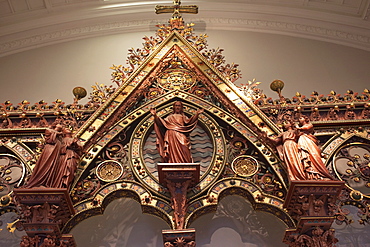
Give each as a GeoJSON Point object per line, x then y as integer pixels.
{"type": "Point", "coordinates": [173, 142]}
{"type": "Point", "coordinates": [311, 154]}
{"type": "Point", "coordinates": [69, 155]}
{"type": "Point", "coordinates": [289, 152]}
{"type": "Point", "coordinates": [48, 161]}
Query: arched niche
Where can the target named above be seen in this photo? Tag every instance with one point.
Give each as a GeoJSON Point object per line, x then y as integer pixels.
{"type": "Point", "coordinates": [121, 224]}
{"type": "Point", "coordinates": [8, 238]}
{"type": "Point", "coordinates": [236, 223]}
{"type": "Point", "coordinates": [348, 160]}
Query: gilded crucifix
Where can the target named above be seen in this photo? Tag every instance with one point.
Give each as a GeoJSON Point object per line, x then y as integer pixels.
{"type": "Point", "coordinates": [176, 9]}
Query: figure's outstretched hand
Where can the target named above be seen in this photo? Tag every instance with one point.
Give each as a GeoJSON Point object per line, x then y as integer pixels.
{"type": "Point", "coordinates": [262, 135]}
{"type": "Point", "coordinates": [153, 111]}
{"type": "Point", "coordinates": [200, 111]}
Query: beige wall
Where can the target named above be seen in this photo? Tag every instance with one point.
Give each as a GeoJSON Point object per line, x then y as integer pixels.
{"type": "Point", "coordinates": [304, 65]}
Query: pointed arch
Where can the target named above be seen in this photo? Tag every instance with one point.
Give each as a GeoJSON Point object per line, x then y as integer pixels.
{"type": "Point", "coordinates": [144, 110]}
{"type": "Point", "coordinates": [334, 143]}
{"type": "Point", "coordinates": [121, 189]}
{"type": "Point", "coordinates": [21, 150]}
{"type": "Point", "coordinates": [235, 186]}
{"type": "Point", "coordinates": [348, 159]}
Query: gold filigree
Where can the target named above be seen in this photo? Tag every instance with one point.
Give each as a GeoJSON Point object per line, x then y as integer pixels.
{"type": "Point", "coordinates": [245, 166]}
{"type": "Point", "coordinates": [109, 171]}
{"type": "Point", "coordinates": [251, 90]}
{"type": "Point", "coordinates": [174, 79]}
{"type": "Point", "coordinates": [176, 24]}
{"type": "Point", "coordinates": [101, 92]}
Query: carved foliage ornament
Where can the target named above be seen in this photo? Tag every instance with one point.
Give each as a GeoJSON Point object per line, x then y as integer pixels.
{"type": "Point", "coordinates": [137, 56]}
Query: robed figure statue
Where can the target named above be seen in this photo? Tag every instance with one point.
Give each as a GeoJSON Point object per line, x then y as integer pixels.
{"type": "Point", "coordinates": [310, 152]}
{"type": "Point", "coordinates": [297, 147]}
{"type": "Point", "coordinates": [70, 153]}
{"type": "Point", "coordinates": [48, 160]}
{"type": "Point", "coordinates": [287, 147]}
{"type": "Point", "coordinates": [58, 161]}
{"type": "Point", "coordinates": [173, 134]}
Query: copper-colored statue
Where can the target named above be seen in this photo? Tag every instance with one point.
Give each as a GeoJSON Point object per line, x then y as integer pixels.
{"type": "Point", "coordinates": [69, 156]}
{"type": "Point", "coordinates": [173, 142]}
{"type": "Point", "coordinates": [57, 163]}
{"type": "Point", "coordinates": [297, 147]}
{"type": "Point", "coordinates": [287, 147]}
{"type": "Point", "coordinates": [48, 160]}
{"type": "Point", "coordinates": [310, 152]}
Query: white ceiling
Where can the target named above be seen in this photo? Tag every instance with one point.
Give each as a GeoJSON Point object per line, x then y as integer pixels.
{"type": "Point", "coordinates": [28, 24]}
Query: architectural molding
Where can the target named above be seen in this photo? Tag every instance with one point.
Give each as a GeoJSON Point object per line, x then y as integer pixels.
{"type": "Point", "coordinates": [59, 34]}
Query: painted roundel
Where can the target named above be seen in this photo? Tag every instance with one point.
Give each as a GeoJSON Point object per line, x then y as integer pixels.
{"type": "Point", "coordinates": [109, 170]}
{"type": "Point", "coordinates": [12, 174]}
{"type": "Point", "coordinates": [173, 79]}
{"type": "Point", "coordinates": [207, 148]}
{"type": "Point", "coordinates": [245, 166]}
{"type": "Point", "coordinates": [351, 163]}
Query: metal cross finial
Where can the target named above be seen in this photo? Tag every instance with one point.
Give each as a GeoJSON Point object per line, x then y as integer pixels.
{"type": "Point", "coordinates": [176, 9]}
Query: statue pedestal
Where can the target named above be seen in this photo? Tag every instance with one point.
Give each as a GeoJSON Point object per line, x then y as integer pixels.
{"type": "Point", "coordinates": [44, 213]}
{"type": "Point", "coordinates": [178, 178]}
{"type": "Point", "coordinates": [178, 172]}
{"type": "Point", "coordinates": [312, 204]}
{"type": "Point", "coordinates": [177, 237]}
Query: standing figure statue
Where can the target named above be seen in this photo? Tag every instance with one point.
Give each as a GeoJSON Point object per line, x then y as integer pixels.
{"type": "Point", "coordinates": [287, 148]}
{"type": "Point", "coordinates": [310, 152]}
{"type": "Point", "coordinates": [173, 141]}
{"type": "Point", "coordinates": [297, 147]}
{"type": "Point", "coordinates": [69, 156]}
{"type": "Point", "coordinates": [48, 161]}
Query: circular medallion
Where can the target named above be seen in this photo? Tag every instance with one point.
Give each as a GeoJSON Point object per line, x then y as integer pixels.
{"type": "Point", "coordinates": [5, 200]}
{"type": "Point", "coordinates": [12, 173]}
{"type": "Point", "coordinates": [207, 148]}
{"type": "Point", "coordinates": [351, 164]}
{"type": "Point", "coordinates": [356, 195]}
{"type": "Point", "coordinates": [245, 166]}
{"type": "Point", "coordinates": [109, 170]}
{"type": "Point", "coordinates": [173, 79]}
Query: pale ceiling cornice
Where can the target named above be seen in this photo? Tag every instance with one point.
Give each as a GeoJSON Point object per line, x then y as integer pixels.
{"type": "Point", "coordinates": [347, 25]}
